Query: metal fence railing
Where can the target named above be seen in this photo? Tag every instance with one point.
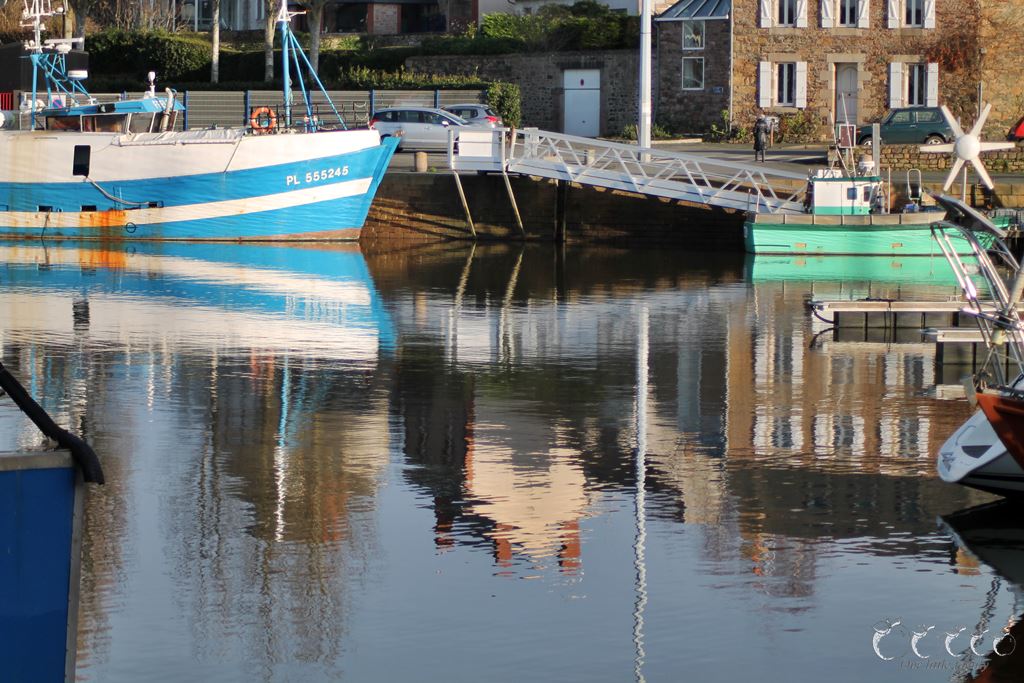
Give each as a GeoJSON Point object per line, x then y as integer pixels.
{"type": "Point", "coordinates": [209, 108]}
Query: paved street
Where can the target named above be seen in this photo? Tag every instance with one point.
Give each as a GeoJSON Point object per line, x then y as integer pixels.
{"type": "Point", "coordinates": [792, 158]}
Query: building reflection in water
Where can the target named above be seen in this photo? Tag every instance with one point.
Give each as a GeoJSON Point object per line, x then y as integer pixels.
{"type": "Point", "coordinates": [253, 401]}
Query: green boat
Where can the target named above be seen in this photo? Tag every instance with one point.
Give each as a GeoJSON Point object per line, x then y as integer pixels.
{"type": "Point", "coordinates": [844, 216]}
{"type": "Point", "coordinates": [905, 270]}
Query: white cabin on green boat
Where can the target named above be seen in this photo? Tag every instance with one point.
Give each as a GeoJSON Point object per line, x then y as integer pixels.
{"type": "Point", "coordinates": [833, 193]}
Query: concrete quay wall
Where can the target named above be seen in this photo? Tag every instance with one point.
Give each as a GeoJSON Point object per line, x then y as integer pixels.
{"type": "Point", "coordinates": [426, 206]}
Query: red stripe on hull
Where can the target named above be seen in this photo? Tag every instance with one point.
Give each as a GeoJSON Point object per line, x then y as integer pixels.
{"type": "Point", "coordinates": [1006, 415]}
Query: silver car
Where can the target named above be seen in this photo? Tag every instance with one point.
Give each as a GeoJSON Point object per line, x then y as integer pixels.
{"type": "Point", "coordinates": [417, 127]}
{"type": "Point", "coordinates": [475, 113]}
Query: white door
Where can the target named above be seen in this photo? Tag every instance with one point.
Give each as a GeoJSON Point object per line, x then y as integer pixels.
{"type": "Point", "coordinates": [582, 102]}
{"type": "Point", "coordinates": [846, 93]}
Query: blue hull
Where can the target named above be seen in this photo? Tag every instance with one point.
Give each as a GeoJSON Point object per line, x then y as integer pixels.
{"type": "Point", "coordinates": [38, 577]}
{"type": "Point", "coordinates": [323, 198]}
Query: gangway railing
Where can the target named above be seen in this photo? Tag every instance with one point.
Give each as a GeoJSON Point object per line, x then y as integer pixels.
{"type": "Point", "coordinates": [675, 175]}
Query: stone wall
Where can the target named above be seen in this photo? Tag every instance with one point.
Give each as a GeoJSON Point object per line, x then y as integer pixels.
{"type": "Point", "coordinates": [691, 111]}
{"type": "Point", "coordinates": [871, 49]}
{"type": "Point", "coordinates": [539, 77]}
{"type": "Point", "coordinates": [902, 157]}
{"type": "Point", "coordinates": [425, 207]}
{"type": "Point", "coordinates": [1002, 37]}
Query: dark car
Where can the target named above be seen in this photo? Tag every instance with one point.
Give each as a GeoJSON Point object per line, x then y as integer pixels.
{"type": "Point", "coordinates": [910, 126]}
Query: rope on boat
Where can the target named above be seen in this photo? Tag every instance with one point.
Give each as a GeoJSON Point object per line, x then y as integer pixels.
{"type": "Point", "coordinates": [113, 198]}
{"type": "Point", "coordinates": [81, 452]}
{"type": "Point", "coordinates": [823, 318]}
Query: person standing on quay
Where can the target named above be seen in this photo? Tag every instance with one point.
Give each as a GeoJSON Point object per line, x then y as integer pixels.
{"type": "Point", "coordinates": [760, 137]}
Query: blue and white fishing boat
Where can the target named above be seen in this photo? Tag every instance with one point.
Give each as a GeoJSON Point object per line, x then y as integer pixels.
{"type": "Point", "coordinates": [119, 170]}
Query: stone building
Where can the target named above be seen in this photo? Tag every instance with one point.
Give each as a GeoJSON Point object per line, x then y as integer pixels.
{"type": "Point", "coordinates": [823, 61]}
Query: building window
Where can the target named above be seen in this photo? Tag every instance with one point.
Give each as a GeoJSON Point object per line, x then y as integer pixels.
{"type": "Point", "coordinates": [914, 13]}
{"type": "Point", "coordinates": [787, 13]}
{"type": "Point", "coordinates": [785, 84]}
{"type": "Point", "coordinates": [693, 73]}
{"type": "Point", "coordinates": [693, 35]}
{"type": "Point", "coordinates": [848, 13]}
{"type": "Point", "coordinates": [917, 85]}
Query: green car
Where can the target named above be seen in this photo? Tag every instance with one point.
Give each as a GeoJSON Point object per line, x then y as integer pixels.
{"type": "Point", "coordinates": [910, 126]}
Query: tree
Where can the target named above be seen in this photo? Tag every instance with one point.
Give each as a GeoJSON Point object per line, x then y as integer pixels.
{"type": "Point", "coordinates": [315, 15]}
{"type": "Point", "coordinates": [270, 7]}
{"type": "Point", "coordinates": [215, 39]}
{"type": "Point", "coordinates": [81, 10]}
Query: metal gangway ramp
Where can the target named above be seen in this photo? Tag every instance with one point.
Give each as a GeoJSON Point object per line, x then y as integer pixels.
{"type": "Point", "coordinates": [675, 175]}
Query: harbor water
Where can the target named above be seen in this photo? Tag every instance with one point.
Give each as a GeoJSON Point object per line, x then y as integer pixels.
{"type": "Point", "coordinates": [502, 464]}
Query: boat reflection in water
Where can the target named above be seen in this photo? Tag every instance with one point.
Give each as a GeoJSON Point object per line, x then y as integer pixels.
{"type": "Point", "coordinates": [323, 465]}
{"type": "Point", "coordinates": [993, 535]}
{"type": "Point", "coordinates": [316, 302]}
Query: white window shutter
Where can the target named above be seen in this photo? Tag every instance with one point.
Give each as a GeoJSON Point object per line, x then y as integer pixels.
{"type": "Point", "coordinates": [863, 13]}
{"type": "Point", "coordinates": [801, 13]}
{"type": "Point", "coordinates": [932, 85]}
{"type": "Point", "coordinates": [895, 85]}
{"type": "Point", "coordinates": [801, 85]}
{"type": "Point", "coordinates": [764, 85]}
{"type": "Point", "coordinates": [929, 13]}
{"type": "Point", "coordinates": [894, 13]}
{"type": "Point", "coordinates": [766, 13]}
{"type": "Point", "coordinates": [827, 9]}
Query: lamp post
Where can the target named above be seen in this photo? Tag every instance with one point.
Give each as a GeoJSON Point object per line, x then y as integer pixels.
{"type": "Point", "coordinates": [643, 128]}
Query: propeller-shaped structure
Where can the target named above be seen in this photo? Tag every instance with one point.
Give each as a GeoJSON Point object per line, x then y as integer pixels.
{"type": "Point", "coordinates": [967, 146]}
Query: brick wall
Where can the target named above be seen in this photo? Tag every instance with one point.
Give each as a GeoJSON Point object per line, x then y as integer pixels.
{"type": "Point", "coordinates": [691, 111]}
{"type": "Point", "coordinates": [539, 77]}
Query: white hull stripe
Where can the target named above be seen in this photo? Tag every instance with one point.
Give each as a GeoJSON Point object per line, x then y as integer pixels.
{"type": "Point", "coordinates": [190, 212]}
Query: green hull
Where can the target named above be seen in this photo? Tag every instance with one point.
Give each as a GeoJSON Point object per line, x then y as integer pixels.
{"type": "Point", "coordinates": [762, 235]}
{"type": "Point", "coordinates": [815, 268]}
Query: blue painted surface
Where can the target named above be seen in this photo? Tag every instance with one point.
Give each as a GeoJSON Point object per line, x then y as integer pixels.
{"type": "Point", "coordinates": [320, 263]}
{"type": "Point", "coordinates": [36, 509]}
{"type": "Point", "coordinates": [339, 214]}
{"type": "Point", "coordinates": [147, 105]}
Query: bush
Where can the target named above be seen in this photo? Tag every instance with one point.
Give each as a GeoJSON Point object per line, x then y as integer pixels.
{"type": "Point", "coordinates": [172, 56]}
{"type": "Point", "coordinates": [586, 25]}
{"type": "Point", "coordinates": [364, 78]}
{"type": "Point", "coordinates": [797, 128]}
{"type": "Point", "coordinates": [506, 99]}
{"type": "Point", "coordinates": [658, 132]}
{"type": "Point", "coordinates": [475, 45]}
{"type": "Point", "coordinates": [727, 132]}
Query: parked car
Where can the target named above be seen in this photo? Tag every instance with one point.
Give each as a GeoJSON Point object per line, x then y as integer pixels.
{"type": "Point", "coordinates": [475, 113]}
{"type": "Point", "coordinates": [910, 126]}
{"type": "Point", "coordinates": [1017, 132]}
{"type": "Point", "coordinates": [417, 127]}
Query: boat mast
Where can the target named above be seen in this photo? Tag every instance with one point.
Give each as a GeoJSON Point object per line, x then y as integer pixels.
{"type": "Point", "coordinates": [32, 17]}
{"type": "Point", "coordinates": [283, 26]}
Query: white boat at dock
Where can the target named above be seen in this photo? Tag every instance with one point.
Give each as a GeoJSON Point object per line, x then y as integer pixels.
{"type": "Point", "coordinates": [120, 170]}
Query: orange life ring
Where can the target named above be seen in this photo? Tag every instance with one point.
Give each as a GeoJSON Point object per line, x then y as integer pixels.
{"type": "Point", "coordinates": [263, 120]}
